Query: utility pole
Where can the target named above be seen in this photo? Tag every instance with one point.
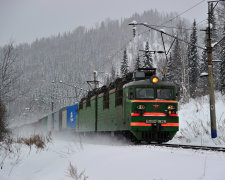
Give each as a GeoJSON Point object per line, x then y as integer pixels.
{"type": "Point", "coordinates": [95, 80]}
{"type": "Point", "coordinates": [52, 104]}
{"type": "Point", "coordinates": [52, 96]}
{"type": "Point", "coordinates": [211, 81]}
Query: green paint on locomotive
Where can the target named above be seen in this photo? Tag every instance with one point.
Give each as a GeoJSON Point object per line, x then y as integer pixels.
{"type": "Point", "coordinates": [86, 117]}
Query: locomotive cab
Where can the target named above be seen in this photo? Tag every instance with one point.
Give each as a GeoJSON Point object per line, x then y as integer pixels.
{"type": "Point", "coordinates": [153, 109]}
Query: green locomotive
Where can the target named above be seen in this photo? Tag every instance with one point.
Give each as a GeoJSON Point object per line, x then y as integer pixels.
{"type": "Point", "coordinates": [139, 106]}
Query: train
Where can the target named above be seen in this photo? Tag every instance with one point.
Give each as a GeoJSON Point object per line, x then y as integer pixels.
{"type": "Point", "coordinates": [139, 106]}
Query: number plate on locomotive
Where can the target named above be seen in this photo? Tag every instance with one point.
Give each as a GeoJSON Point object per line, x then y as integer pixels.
{"type": "Point", "coordinates": [156, 121]}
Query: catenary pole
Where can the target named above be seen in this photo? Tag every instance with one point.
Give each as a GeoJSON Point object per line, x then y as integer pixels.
{"type": "Point", "coordinates": [211, 81]}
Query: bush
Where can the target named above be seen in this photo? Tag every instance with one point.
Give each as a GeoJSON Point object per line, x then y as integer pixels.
{"type": "Point", "coordinates": [74, 174]}
{"type": "Point", "coordinates": [3, 122]}
{"type": "Point", "coordinates": [37, 140]}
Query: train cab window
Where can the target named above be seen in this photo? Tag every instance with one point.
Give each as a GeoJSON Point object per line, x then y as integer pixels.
{"type": "Point", "coordinates": [165, 93]}
{"type": "Point", "coordinates": [106, 100]}
{"type": "Point", "coordinates": [144, 93]}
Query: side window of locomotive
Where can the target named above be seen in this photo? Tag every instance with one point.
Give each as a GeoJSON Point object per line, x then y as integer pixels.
{"type": "Point", "coordinates": [106, 100]}
{"type": "Point", "coordinates": [144, 93]}
{"type": "Point", "coordinates": [81, 105]}
{"type": "Point", "coordinates": [119, 97]}
{"type": "Point", "coordinates": [88, 104]}
{"type": "Point", "coordinates": [165, 93]}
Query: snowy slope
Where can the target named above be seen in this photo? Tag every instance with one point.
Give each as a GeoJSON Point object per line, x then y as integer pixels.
{"type": "Point", "coordinates": [195, 122]}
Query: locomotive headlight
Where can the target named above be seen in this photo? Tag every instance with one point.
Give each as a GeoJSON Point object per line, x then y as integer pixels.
{"type": "Point", "coordinates": [155, 80]}
{"type": "Point", "coordinates": [141, 107]}
{"type": "Point", "coordinates": [170, 107]}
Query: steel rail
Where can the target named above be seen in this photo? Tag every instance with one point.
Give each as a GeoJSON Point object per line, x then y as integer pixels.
{"type": "Point", "coordinates": [205, 148]}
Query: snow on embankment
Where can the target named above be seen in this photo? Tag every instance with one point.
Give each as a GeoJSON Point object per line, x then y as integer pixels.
{"type": "Point", "coordinates": [195, 127]}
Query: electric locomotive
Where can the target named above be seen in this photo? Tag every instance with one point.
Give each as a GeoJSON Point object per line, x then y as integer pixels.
{"type": "Point", "coordinates": [154, 108]}
{"type": "Point", "coordinates": [139, 106]}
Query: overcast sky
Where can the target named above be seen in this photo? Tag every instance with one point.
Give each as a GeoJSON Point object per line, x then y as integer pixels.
{"type": "Point", "coordinates": [26, 20]}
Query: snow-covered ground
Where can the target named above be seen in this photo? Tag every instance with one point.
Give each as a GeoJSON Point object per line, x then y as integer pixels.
{"type": "Point", "coordinates": [106, 158]}
{"type": "Point", "coordinates": [111, 159]}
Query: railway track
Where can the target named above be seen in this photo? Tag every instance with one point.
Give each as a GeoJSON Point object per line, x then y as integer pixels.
{"type": "Point", "coordinates": [205, 148]}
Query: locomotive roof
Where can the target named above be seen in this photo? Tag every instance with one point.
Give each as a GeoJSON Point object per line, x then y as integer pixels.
{"type": "Point", "coordinates": [148, 82]}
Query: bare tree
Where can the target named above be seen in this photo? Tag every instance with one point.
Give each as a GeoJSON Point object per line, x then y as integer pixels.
{"type": "Point", "coordinates": [8, 78]}
{"type": "Point", "coordinates": [8, 72]}
{"type": "Point", "coordinates": [3, 122]}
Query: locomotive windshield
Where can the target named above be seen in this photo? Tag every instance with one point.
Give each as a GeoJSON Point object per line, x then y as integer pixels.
{"type": "Point", "coordinates": [164, 93]}
{"type": "Point", "coordinates": [145, 93]}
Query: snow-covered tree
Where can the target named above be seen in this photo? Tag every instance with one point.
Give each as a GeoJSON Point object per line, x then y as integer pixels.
{"type": "Point", "coordinates": [9, 76]}
{"type": "Point", "coordinates": [169, 69]}
{"type": "Point", "coordinates": [183, 34]}
{"type": "Point", "coordinates": [113, 74]}
{"type": "Point", "coordinates": [193, 60]}
{"type": "Point", "coordinates": [203, 81]}
{"type": "Point", "coordinates": [124, 64]}
{"type": "Point", "coordinates": [137, 62]}
{"type": "Point", "coordinates": [220, 9]}
{"type": "Point", "coordinates": [148, 62]}
{"type": "Point", "coordinates": [174, 66]}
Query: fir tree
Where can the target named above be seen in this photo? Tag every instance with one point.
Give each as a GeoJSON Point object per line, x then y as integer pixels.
{"type": "Point", "coordinates": [169, 71]}
{"type": "Point", "coordinates": [222, 67]}
{"type": "Point", "coordinates": [124, 64]}
{"type": "Point", "coordinates": [112, 75]}
{"type": "Point", "coordinates": [193, 60]}
{"type": "Point", "coordinates": [175, 66]}
{"type": "Point", "coordinates": [203, 81]}
{"type": "Point", "coordinates": [137, 63]}
{"type": "Point", "coordinates": [203, 65]}
{"type": "Point", "coordinates": [147, 57]}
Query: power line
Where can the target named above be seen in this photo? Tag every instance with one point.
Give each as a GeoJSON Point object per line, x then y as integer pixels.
{"type": "Point", "coordinates": [171, 27]}
{"type": "Point", "coordinates": [201, 21]}
{"type": "Point", "coordinates": [184, 12]}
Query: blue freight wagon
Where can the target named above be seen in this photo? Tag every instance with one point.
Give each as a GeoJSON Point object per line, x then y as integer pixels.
{"type": "Point", "coordinates": [71, 118]}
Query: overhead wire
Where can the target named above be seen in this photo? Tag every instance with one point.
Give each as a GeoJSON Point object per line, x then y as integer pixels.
{"type": "Point", "coordinates": [184, 12]}
{"type": "Point", "coordinates": [201, 21]}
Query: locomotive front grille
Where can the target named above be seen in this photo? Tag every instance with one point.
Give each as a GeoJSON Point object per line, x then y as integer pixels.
{"type": "Point", "coordinates": [155, 136]}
